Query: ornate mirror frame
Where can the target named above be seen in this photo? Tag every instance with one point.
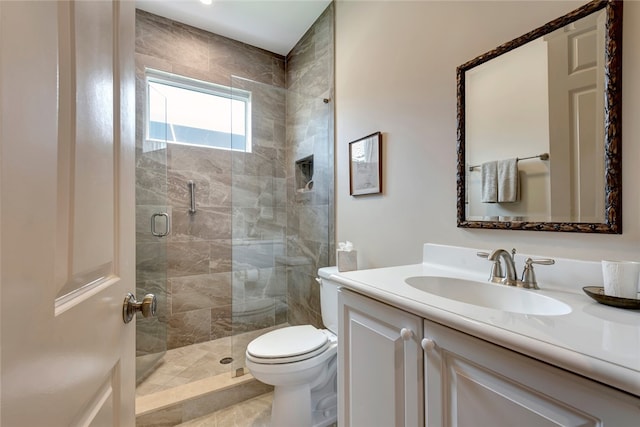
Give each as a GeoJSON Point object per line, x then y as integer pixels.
{"type": "Point", "coordinates": [612, 124]}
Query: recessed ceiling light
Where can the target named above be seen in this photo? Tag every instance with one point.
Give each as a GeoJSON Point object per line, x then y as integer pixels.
{"type": "Point", "coordinates": [207, 2]}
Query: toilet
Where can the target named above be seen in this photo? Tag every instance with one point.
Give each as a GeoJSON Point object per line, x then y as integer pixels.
{"type": "Point", "coordinates": [301, 363]}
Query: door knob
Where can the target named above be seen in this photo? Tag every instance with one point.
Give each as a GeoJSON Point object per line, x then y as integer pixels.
{"type": "Point", "coordinates": [147, 306]}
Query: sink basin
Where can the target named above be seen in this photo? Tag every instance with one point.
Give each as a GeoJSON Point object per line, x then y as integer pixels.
{"type": "Point", "coordinates": [489, 295]}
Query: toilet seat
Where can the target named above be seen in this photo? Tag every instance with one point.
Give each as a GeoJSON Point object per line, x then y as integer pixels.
{"type": "Point", "coordinates": [288, 345]}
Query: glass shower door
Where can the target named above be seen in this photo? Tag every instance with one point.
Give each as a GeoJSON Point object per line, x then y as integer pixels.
{"type": "Point", "coordinates": [282, 185]}
{"type": "Point", "coordinates": [152, 227]}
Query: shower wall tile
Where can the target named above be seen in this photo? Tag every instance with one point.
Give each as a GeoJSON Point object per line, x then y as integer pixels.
{"type": "Point", "coordinates": [187, 328]}
{"type": "Point", "coordinates": [199, 291]}
{"type": "Point", "coordinates": [144, 61]}
{"type": "Point", "coordinates": [149, 336]}
{"type": "Point", "coordinates": [263, 132]}
{"type": "Point", "coordinates": [150, 260]}
{"type": "Point", "coordinates": [310, 63]}
{"type": "Point", "coordinates": [245, 321]}
{"type": "Point", "coordinates": [187, 258]}
{"type": "Point", "coordinates": [278, 65]}
{"type": "Point", "coordinates": [300, 314]}
{"type": "Point", "coordinates": [172, 41]}
{"type": "Point", "coordinates": [222, 53]}
{"type": "Point", "coordinates": [151, 177]}
{"type": "Point", "coordinates": [259, 223]}
{"type": "Point", "coordinates": [251, 190]}
{"type": "Point", "coordinates": [314, 222]}
{"type": "Point", "coordinates": [258, 257]}
{"type": "Point", "coordinates": [262, 161]}
{"type": "Point", "coordinates": [309, 74]}
{"type": "Point", "coordinates": [268, 101]}
{"type": "Point", "coordinates": [256, 63]}
{"type": "Point", "coordinates": [282, 311]}
{"type": "Point", "coordinates": [220, 256]}
{"type": "Point", "coordinates": [221, 322]}
{"type": "Point", "coordinates": [210, 162]}
{"type": "Point", "coordinates": [206, 224]}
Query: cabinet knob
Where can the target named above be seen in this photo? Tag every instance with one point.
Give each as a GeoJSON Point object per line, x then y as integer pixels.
{"type": "Point", "coordinates": [428, 344]}
{"type": "Point", "coordinates": [406, 334]}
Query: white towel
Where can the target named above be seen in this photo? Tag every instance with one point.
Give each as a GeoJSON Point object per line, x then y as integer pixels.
{"type": "Point", "coordinates": [508, 181]}
{"type": "Point", "coordinates": [489, 171]}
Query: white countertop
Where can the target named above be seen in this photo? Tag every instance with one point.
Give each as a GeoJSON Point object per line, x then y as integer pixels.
{"type": "Point", "coordinates": [594, 340]}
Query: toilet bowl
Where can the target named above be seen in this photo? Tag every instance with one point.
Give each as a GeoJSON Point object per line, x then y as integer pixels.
{"type": "Point", "coordinates": [301, 363]}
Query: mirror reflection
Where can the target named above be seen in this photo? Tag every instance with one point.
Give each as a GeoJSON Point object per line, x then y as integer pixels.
{"type": "Point", "coordinates": [535, 128]}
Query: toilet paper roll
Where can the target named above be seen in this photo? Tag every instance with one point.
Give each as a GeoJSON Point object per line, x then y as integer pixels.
{"type": "Point", "coordinates": [621, 278]}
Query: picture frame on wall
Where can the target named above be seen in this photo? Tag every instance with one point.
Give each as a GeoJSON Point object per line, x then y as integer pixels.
{"type": "Point", "coordinates": [365, 165]}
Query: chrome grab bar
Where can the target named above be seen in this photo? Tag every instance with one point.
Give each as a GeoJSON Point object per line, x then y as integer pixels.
{"type": "Point", "coordinates": [192, 191]}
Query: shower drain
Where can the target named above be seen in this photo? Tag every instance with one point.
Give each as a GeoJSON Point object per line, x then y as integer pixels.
{"type": "Point", "coordinates": [226, 360]}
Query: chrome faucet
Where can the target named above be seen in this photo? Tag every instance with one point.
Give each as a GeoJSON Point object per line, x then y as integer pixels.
{"type": "Point", "coordinates": [501, 256]}
{"type": "Point", "coordinates": [511, 278]}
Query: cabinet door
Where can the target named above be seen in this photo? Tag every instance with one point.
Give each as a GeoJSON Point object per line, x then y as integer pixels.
{"type": "Point", "coordinates": [470, 382]}
{"type": "Point", "coordinates": [380, 364]}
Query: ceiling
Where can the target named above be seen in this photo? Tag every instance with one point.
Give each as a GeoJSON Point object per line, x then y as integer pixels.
{"type": "Point", "coordinates": [273, 25]}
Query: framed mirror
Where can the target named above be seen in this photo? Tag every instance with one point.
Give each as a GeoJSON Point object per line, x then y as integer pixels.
{"type": "Point", "coordinates": [539, 128]}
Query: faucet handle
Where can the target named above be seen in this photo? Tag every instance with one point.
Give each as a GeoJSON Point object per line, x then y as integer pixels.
{"type": "Point", "coordinates": [496, 275]}
{"type": "Point", "coordinates": [542, 261]}
{"type": "Point", "coordinates": [529, 276]}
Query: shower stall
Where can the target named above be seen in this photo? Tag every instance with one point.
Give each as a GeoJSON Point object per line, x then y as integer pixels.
{"type": "Point", "coordinates": [244, 195]}
{"type": "Point", "coordinates": [248, 226]}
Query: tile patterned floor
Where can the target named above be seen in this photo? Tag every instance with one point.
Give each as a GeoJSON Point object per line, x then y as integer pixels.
{"type": "Point", "coordinates": [254, 412]}
{"type": "Point", "coordinates": [191, 380]}
{"type": "Point", "coordinates": [197, 361]}
{"type": "Point", "coordinates": [187, 364]}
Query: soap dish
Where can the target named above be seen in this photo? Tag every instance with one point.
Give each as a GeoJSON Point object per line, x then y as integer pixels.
{"type": "Point", "coordinates": [597, 293]}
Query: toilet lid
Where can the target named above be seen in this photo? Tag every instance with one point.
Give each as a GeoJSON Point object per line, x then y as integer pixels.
{"type": "Point", "coordinates": [288, 344]}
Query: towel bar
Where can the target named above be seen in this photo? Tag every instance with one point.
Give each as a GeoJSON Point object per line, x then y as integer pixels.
{"type": "Point", "coordinates": [543, 156]}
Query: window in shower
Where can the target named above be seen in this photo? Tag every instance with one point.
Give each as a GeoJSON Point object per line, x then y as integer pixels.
{"type": "Point", "coordinates": [186, 111]}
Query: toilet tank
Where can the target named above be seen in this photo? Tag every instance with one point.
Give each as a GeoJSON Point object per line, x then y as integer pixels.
{"type": "Point", "coordinates": [329, 298]}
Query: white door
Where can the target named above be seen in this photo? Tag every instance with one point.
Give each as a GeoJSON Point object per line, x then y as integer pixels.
{"type": "Point", "coordinates": [576, 119]}
{"type": "Point", "coordinates": [67, 255]}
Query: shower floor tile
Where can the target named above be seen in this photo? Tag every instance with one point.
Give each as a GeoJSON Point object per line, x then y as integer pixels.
{"type": "Point", "coordinates": [187, 364]}
{"type": "Point", "coordinates": [195, 362]}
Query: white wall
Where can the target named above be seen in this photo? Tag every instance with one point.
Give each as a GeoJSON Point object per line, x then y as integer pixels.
{"type": "Point", "coordinates": [395, 73]}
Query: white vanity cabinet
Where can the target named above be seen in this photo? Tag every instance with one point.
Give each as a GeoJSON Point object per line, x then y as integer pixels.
{"type": "Point", "coordinates": [397, 369]}
{"type": "Point", "coordinates": [380, 364]}
{"type": "Point", "coordinates": [471, 382]}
